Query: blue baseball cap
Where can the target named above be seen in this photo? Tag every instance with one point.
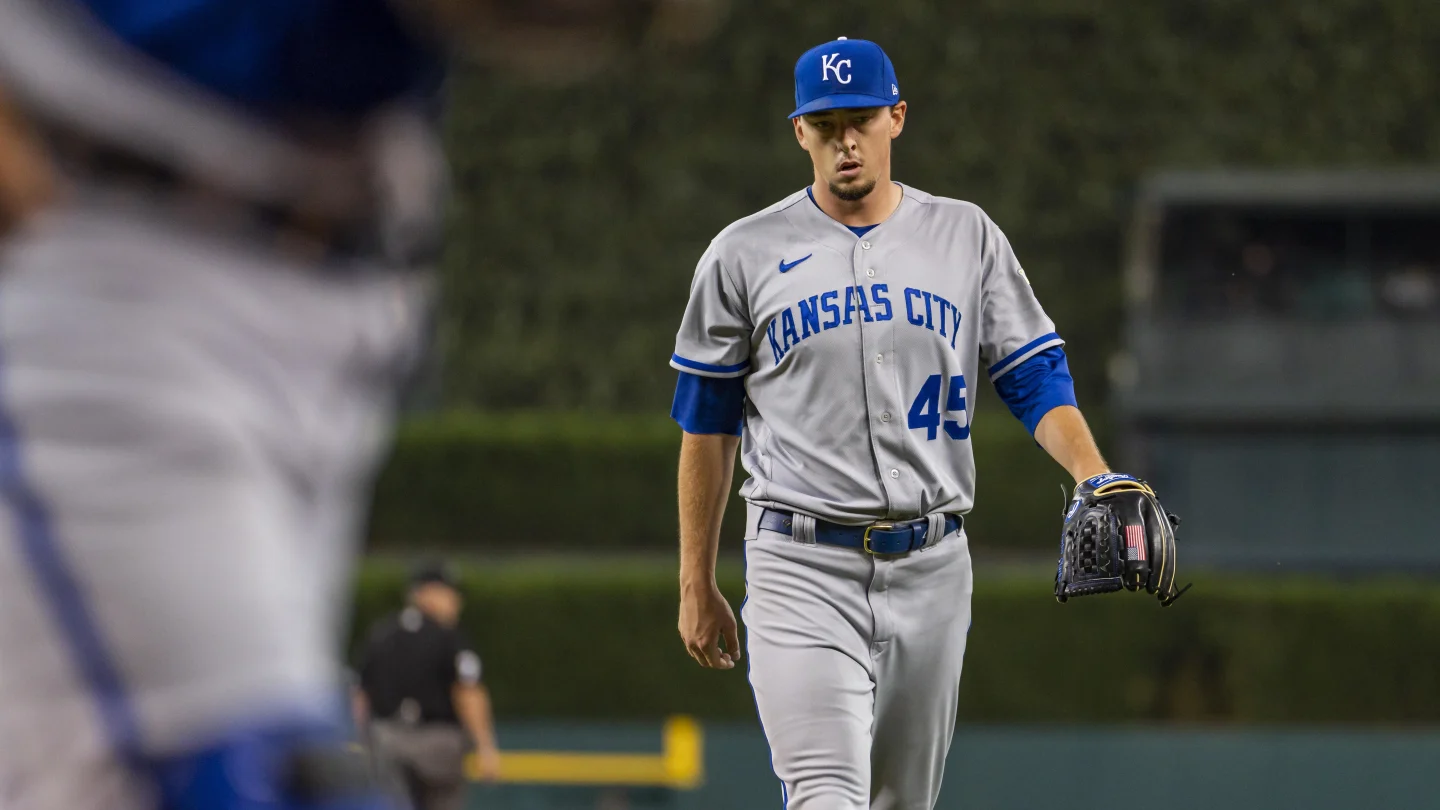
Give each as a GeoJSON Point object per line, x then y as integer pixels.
{"type": "Point", "coordinates": [844, 74]}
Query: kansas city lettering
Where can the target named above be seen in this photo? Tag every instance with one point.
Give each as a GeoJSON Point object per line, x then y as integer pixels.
{"type": "Point", "coordinates": [929, 310]}
{"type": "Point", "coordinates": [825, 311]}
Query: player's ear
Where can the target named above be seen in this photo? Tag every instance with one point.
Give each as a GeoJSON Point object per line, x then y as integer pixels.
{"type": "Point", "coordinates": [897, 119]}
{"type": "Point", "coordinates": [800, 131]}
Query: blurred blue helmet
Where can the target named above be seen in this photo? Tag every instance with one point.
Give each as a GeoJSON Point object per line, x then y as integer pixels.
{"type": "Point", "coordinates": [846, 73]}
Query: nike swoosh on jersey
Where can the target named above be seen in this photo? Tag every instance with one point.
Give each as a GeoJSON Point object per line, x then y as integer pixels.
{"type": "Point", "coordinates": [785, 268]}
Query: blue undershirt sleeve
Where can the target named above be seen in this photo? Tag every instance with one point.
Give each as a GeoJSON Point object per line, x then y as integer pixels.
{"type": "Point", "coordinates": [1037, 386]}
{"type": "Point", "coordinates": [706, 405]}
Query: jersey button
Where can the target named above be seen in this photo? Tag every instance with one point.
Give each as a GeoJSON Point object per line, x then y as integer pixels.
{"type": "Point", "coordinates": [865, 245]}
{"type": "Point", "coordinates": [879, 358]}
{"type": "Point", "coordinates": [885, 417]}
{"type": "Point", "coordinates": [870, 271]}
{"type": "Point", "coordinates": [894, 473]}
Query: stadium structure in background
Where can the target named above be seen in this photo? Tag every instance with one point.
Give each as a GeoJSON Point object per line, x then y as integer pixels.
{"type": "Point", "coordinates": [1280, 359]}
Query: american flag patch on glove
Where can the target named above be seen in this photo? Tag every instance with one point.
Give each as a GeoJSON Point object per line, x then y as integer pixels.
{"type": "Point", "coordinates": [1135, 543]}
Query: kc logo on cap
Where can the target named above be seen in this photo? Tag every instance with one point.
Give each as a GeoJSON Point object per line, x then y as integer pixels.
{"type": "Point", "coordinates": [833, 62]}
{"type": "Point", "coordinates": [844, 74]}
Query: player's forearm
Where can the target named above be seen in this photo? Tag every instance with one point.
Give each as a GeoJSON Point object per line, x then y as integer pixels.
{"type": "Point", "coordinates": [1066, 437]}
{"type": "Point", "coordinates": [472, 706]}
{"type": "Point", "coordinates": [707, 465]}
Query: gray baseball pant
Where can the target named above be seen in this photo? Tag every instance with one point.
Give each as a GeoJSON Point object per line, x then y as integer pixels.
{"type": "Point", "coordinates": [855, 661]}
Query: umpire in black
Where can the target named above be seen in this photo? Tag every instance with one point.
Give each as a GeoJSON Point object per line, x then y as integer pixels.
{"type": "Point", "coordinates": [420, 700]}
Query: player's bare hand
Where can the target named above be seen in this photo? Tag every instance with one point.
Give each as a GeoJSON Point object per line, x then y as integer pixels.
{"type": "Point", "coordinates": [487, 763]}
{"type": "Point", "coordinates": [705, 621]}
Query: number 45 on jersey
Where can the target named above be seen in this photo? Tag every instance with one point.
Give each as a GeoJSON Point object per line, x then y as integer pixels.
{"type": "Point", "coordinates": [925, 410]}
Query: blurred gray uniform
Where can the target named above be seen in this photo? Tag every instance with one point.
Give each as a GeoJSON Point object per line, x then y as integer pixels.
{"type": "Point", "coordinates": [857, 355]}
{"type": "Point", "coordinates": [191, 406]}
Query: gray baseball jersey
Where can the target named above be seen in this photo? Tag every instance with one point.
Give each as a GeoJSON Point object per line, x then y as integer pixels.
{"type": "Point", "coordinates": [858, 353]}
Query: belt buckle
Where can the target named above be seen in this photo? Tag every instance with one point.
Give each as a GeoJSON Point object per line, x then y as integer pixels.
{"type": "Point", "coordinates": [866, 537]}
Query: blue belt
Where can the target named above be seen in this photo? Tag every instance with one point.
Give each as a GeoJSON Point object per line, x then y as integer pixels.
{"type": "Point", "coordinates": [878, 538]}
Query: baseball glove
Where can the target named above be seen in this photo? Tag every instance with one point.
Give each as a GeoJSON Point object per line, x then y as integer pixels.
{"type": "Point", "coordinates": [1117, 535]}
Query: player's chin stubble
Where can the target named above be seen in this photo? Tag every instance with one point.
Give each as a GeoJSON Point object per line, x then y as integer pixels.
{"type": "Point", "coordinates": [852, 193]}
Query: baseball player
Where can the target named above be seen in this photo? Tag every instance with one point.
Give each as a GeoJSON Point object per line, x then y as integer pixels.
{"type": "Point", "coordinates": [219, 218]}
{"type": "Point", "coordinates": [838, 334]}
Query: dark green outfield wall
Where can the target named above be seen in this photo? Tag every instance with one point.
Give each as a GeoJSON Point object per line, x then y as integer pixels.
{"type": "Point", "coordinates": [1024, 768]}
{"type": "Point", "coordinates": [581, 211]}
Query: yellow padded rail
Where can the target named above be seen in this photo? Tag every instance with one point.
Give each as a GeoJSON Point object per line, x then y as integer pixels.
{"type": "Point", "coordinates": [679, 765]}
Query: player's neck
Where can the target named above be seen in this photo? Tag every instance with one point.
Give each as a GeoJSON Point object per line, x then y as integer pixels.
{"type": "Point", "coordinates": [872, 209]}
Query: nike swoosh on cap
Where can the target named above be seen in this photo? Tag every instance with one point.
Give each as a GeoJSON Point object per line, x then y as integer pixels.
{"type": "Point", "coordinates": [785, 268]}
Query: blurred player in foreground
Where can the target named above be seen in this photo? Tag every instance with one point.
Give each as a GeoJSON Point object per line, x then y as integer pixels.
{"type": "Point", "coordinates": [840, 331]}
{"type": "Point", "coordinates": [220, 217]}
{"type": "Point", "coordinates": [420, 699]}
